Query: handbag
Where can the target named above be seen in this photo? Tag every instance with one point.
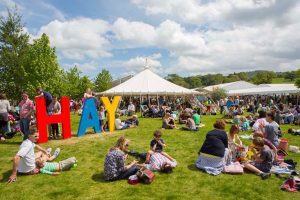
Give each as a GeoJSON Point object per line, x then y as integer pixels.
{"type": "Point", "coordinates": [146, 175]}
{"type": "Point", "coordinates": [234, 168]}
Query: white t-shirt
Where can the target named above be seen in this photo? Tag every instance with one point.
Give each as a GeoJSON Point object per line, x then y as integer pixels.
{"type": "Point", "coordinates": [258, 122]}
{"type": "Point", "coordinates": [26, 152]}
{"type": "Point", "coordinates": [131, 107]}
{"type": "Point", "coordinates": [118, 124]}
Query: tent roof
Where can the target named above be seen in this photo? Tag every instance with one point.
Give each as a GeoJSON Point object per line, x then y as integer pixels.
{"type": "Point", "coordinates": [231, 86]}
{"type": "Point", "coordinates": [267, 89]}
{"type": "Point", "coordinates": [147, 83]}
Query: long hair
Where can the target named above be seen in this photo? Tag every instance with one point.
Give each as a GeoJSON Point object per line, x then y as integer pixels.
{"type": "Point", "coordinates": [121, 144]}
{"type": "Point", "coordinates": [234, 129]}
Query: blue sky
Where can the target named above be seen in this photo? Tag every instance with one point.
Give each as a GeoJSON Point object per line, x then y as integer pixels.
{"type": "Point", "coordinates": [186, 37]}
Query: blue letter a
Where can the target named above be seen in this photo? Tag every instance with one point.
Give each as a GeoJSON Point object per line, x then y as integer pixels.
{"type": "Point", "coordinates": [89, 117]}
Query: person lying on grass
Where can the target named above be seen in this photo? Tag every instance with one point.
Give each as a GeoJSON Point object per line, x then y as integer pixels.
{"type": "Point", "coordinates": [262, 163]}
{"type": "Point", "coordinates": [54, 168]}
{"type": "Point", "coordinates": [159, 162]}
{"type": "Point", "coordinates": [24, 161]}
{"type": "Point", "coordinates": [114, 165]}
{"type": "Point", "coordinates": [157, 145]}
{"type": "Point", "coordinates": [121, 125]}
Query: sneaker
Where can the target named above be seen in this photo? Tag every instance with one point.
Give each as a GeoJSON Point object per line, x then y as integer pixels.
{"type": "Point", "coordinates": [49, 150]}
{"type": "Point", "coordinates": [265, 176]}
{"type": "Point", "coordinates": [56, 152]}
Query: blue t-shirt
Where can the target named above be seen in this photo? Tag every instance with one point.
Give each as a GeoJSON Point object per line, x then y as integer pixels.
{"type": "Point", "coordinates": [47, 95]}
{"type": "Point", "coordinates": [229, 103]}
{"type": "Point", "coordinates": [159, 147]}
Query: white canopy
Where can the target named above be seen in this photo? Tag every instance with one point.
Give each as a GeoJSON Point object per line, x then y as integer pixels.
{"type": "Point", "coordinates": [244, 88]}
{"type": "Point", "coordinates": [147, 83]}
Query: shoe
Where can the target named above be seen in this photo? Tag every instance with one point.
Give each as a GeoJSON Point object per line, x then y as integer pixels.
{"type": "Point", "coordinates": [49, 150]}
{"type": "Point", "coordinates": [265, 176]}
{"type": "Point", "coordinates": [56, 152]}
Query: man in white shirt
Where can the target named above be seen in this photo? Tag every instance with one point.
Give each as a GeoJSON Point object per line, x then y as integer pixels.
{"type": "Point", "coordinates": [24, 161]}
{"type": "Point", "coordinates": [131, 108]}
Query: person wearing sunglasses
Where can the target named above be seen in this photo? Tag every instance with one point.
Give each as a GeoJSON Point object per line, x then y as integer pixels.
{"type": "Point", "coordinates": [24, 161]}
{"type": "Point", "coordinates": [114, 165]}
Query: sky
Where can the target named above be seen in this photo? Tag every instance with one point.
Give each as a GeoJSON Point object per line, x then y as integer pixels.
{"type": "Point", "coordinates": [187, 37]}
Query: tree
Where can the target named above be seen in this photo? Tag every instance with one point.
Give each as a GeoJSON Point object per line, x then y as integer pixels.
{"type": "Point", "coordinates": [103, 81]}
{"type": "Point", "coordinates": [290, 75]}
{"type": "Point", "coordinates": [42, 68]}
{"type": "Point", "coordinates": [14, 44]}
{"type": "Point", "coordinates": [193, 81]}
{"type": "Point", "coordinates": [297, 83]}
{"type": "Point", "coordinates": [178, 80]}
{"type": "Point", "coordinates": [218, 94]}
{"type": "Point", "coordinates": [263, 77]}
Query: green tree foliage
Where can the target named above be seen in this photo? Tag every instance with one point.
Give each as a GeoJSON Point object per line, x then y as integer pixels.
{"type": "Point", "coordinates": [74, 84]}
{"type": "Point", "coordinates": [212, 79]}
{"type": "Point", "coordinates": [290, 75]}
{"type": "Point", "coordinates": [103, 81]}
{"type": "Point", "coordinates": [297, 83]}
{"type": "Point", "coordinates": [193, 81]}
{"type": "Point", "coordinates": [13, 54]}
{"type": "Point", "coordinates": [178, 80]}
{"type": "Point", "coordinates": [263, 77]}
{"type": "Point", "coordinates": [218, 94]}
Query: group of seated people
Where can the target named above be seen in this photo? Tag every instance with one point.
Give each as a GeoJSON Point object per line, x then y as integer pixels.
{"type": "Point", "coordinates": [221, 149]}
{"type": "Point", "coordinates": [156, 159]}
{"type": "Point", "coordinates": [189, 117]}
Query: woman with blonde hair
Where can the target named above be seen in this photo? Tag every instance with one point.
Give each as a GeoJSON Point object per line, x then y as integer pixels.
{"type": "Point", "coordinates": [168, 122]}
{"type": "Point", "coordinates": [114, 165]}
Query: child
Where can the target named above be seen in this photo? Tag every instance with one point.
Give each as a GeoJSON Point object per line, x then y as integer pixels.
{"type": "Point", "coordinates": [48, 157]}
{"type": "Point", "coordinates": [245, 124]}
{"type": "Point", "coordinates": [54, 168]}
{"type": "Point", "coordinates": [101, 114]}
{"type": "Point", "coordinates": [263, 159]}
{"type": "Point", "coordinates": [157, 145]}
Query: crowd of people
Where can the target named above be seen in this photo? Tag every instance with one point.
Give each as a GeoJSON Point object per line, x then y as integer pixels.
{"type": "Point", "coordinates": [220, 151]}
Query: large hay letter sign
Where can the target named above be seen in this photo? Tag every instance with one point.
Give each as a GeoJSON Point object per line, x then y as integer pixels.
{"type": "Point", "coordinates": [43, 119]}
{"type": "Point", "coordinates": [89, 118]}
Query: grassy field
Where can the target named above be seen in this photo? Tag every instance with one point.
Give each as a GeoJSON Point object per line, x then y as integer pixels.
{"type": "Point", "coordinates": [186, 182]}
{"type": "Point", "coordinates": [281, 81]}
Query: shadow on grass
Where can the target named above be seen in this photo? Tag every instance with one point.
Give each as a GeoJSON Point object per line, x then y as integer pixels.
{"type": "Point", "coordinates": [193, 167]}
{"type": "Point", "coordinates": [7, 142]}
{"type": "Point", "coordinates": [99, 177]}
{"type": "Point", "coordinates": [5, 176]}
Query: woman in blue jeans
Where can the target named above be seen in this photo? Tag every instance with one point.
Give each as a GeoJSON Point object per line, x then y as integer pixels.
{"type": "Point", "coordinates": [114, 165]}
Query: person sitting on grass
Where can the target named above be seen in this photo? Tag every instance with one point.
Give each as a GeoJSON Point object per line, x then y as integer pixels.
{"type": "Point", "coordinates": [132, 121]}
{"type": "Point", "coordinates": [214, 151]}
{"type": "Point", "coordinates": [261, 122]}
{"type": "Point", "coordinates": [168, 122]}
{"type": "Point", "coordinates": [263, 159]}
{"type": "Point", "coordinates": [54, 168]}
{"type": "Point", "coordinates": [234, 142]}
{"type": "Point", "coordinates": [24, 161]}
{"type": "Point", "coordinates": [266, 142]}
{"type": "Point", "coordinates": [114, 165]}
{"type": "Point", "coordinates": [271, 129]}
{"type": "Point", "coordinates": [157, 145]}
{"type": "Point", "coordinates": [190, 125]}
{"type": "Point", "coordinates": [119, 124]}
{"type": "Point", "coordinates": [196, 117]}
{"type": "Point", "coordinates": [184, 115]}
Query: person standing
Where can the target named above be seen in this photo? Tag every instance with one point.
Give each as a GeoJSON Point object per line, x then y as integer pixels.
{"type": "Point", "coordinates": [47, 96]}
{"type": "Point", "coordinates": [26, 108]}
{"type": "Point", "coordinates": [131, 108]}
{"type": "Point", "coordinates": [55, 109]}
{"type": "Point", "coordinates": [4, 109]}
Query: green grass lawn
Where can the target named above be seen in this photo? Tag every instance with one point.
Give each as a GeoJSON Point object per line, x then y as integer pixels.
{"type": "Point", "coordinates": [281, 81]}
{"type": "Point", "coordinates": [186, 182]}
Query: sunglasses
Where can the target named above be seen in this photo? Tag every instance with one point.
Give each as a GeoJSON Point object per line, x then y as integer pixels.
{"type": "Point", "coordinates": [126, 145]}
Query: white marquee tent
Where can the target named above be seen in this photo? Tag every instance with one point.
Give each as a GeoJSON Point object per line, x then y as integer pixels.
{"type": "Point", "coordinates": [245, 88]}
{"type": "Point", "coordinates": [147, 83]}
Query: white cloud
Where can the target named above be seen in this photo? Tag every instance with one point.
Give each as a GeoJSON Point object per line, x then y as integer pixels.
{"type": "Point", "coordinates": [84, 67]}
{"type": "Point", "coordinates": [79, 38]}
